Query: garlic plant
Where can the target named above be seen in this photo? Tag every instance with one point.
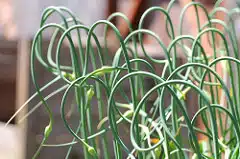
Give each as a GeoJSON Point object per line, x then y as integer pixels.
{"type": "Point", "coordinates": [154, 133]}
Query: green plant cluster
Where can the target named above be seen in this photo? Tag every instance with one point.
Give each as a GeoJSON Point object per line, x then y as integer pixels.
{"type": "Point", "coordinates": [164, 131]}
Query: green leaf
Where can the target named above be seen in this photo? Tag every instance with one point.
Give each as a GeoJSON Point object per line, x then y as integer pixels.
{"type": "Point", "coordinates": [157, 152]}
{"type": "Point", "coordinates": [90, 93]}
{"type": "Point", "coordinates": [47, 131]}
{"type": "Point", "coordinates": [92, 151]}
{"type": "Point", "coordinates": [104, 70]}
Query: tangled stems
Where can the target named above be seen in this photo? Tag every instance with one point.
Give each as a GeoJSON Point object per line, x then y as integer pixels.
{"type": "Point", "coordinates": [153, 126]}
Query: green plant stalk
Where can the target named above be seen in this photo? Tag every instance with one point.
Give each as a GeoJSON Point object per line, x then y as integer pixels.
{"type": "Point", "coordinates": [162, 123]}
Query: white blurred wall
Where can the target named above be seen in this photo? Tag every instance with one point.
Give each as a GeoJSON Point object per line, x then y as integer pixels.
{"type": "Point", "coordinates": [27, 13]}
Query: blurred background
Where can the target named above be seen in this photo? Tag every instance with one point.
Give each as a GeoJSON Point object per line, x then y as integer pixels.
{"type": "Point", "coordinates": [19, 21]}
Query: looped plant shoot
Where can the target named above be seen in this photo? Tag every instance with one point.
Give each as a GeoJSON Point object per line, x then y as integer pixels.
{"type": "Point", "coordinates": [114, 105]}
